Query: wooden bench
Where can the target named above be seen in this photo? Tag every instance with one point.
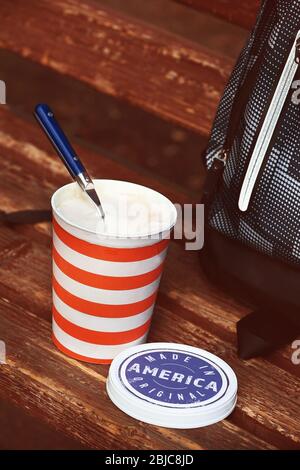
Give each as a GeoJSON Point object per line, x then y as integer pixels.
{"type": "Point", "coordinates": [60, 401]}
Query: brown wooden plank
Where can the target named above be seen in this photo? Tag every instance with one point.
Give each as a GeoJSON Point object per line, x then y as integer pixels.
{"type": "Point", "coordinates": [200, 27]}
{"type": "Point", "coordinates": [106, 123]}
{"type": "Point", "coordinates": [31, 152]}
{"type": "Point", "coordinates": [38, 436]}
{"type": "Point", "coordinates": [119, 56]}
{"type": "Point", "coordinates": [207, 317]}
{"type": "Point", "coordinates": [240, 12]}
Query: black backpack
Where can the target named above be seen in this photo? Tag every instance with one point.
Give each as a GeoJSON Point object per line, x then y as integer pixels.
{"type": "Point", "coordinates": [252, 190]}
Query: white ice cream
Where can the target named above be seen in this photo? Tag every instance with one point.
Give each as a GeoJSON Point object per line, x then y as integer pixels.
{"type": "Point", "coordinates": [130, 210]}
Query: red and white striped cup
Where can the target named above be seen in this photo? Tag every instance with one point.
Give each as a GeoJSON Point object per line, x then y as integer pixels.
{"type": "Point", "coordinates": [104, 288]}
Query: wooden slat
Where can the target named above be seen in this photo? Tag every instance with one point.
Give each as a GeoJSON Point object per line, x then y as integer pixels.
{"type": "Point", "coordinates": [240, 12]}
{"type": "Point", "coordinates": [38, 436]}
{"type": "Point", "coordinates": [71, 395]}
{"type": "Point", "coordinates": [200, 27]}
{"type": "Point", "coordinates": [107, 123]}
{"type": "Point", "coordinates": [122, 57]}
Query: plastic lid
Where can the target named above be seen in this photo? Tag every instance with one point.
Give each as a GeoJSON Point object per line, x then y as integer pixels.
{"type": "Point", "coordinates": [172, 385]}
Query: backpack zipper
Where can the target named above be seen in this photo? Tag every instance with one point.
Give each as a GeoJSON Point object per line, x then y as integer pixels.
{"type": "Point", "coordinates": [269, 124]}
{"type": "Point", "coordinates": [213, 176]}
{"type": "Point", "coordinates": [216, 170]}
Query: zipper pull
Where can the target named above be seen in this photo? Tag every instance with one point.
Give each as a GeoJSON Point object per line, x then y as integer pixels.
{"type": "Point", "coordinates": [213, 175]}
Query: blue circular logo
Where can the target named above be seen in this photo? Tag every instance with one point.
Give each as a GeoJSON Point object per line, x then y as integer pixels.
{"type": "Point", "coordinates": [173, 378]}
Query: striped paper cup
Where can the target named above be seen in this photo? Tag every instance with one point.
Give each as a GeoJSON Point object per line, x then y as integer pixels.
{"type": "Point", "coordinates": [104, 288]}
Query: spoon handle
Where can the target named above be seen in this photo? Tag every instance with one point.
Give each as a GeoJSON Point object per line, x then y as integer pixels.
{"type": "Point", "coordinates": [59, 140]}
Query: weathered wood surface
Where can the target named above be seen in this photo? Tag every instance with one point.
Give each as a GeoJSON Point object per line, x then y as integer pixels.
{"type": "Point", "coordinates": [124, 131]}
{"type": "Point", "coordinates": [240, 12]}
{"type": "Point", "coordinates": [200, 27]}
{"type": "Point", "coordinates": [70, 395]}
{"type": "Point", "coordinates": [120, 56]}
{"type": "Point", "coordinates": [38, 435]}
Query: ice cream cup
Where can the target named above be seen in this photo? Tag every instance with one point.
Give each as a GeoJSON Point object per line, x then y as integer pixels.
{"type": "Point", "coordinates": [105, 284]}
